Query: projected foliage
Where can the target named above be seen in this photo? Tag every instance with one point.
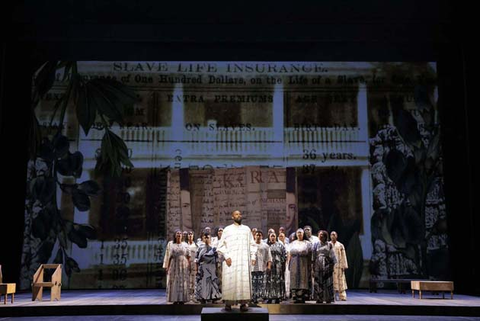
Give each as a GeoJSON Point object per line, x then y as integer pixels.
{"type": "Point", "coordinates": [50, 157]}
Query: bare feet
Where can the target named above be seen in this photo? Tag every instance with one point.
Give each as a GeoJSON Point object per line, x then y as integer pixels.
{"type": "Point", "coordinates": [243, 307]}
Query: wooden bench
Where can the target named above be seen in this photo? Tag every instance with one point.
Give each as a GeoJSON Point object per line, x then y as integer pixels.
{"type": "Point", "coordinates": [6, 289]}
{"type": "Point", "coordinates": [401, 284]}
{"type": "Point", "coordinates": [55, 284]}
{"type": "Point", "coordinates": [434, 286]}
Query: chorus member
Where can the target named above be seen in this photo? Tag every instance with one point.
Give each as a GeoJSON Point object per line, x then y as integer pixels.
{"type": "Point", "coordinates": [176, 263]}
{"type": "Point", "coordinates": [215, 240]}
{"type": "Point", "coordinates": [192, 248]}
{"type": "Point", "coordinates": [276, 277]}
{"type": "Point", "coordinates": [207, 285]}
{"type": "Point", "coordinates": [299, 263]}
{"type": "Point", "coordinates": [282, 230]}
{"type": "Point", "coordinates": [205, 230]}
{"type": "Point", "coordinates": [323, 262]}
{"type": "Point", "coordinates": [309, 234]}
{"type": "Point", "coordinates": [282, 238]}
{"type": "Point", "coordinates": [262, 265]}
{"type": "Point", "coordinates": [339, 280]}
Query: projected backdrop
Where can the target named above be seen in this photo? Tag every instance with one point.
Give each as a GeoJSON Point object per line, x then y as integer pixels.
{"type": "Point", "coordinates": [346, 146]}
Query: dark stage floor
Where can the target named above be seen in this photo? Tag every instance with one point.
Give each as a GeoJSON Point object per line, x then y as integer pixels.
{"type": "Point", "coordinates": [150, 304]}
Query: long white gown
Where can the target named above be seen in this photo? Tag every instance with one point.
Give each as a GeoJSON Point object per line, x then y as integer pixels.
{"type": "Point", "coordinates": [237, 244]}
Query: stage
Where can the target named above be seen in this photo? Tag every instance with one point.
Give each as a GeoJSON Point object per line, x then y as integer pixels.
{"type": "Point", "coordinates": [152, 302]}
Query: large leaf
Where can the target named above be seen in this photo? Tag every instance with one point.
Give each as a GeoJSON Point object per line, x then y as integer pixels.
{"type": "Point", "coordinates": [419, 154]}
{"type": "Point", "coordinates": [407, 128]}
{"type": "Point", "coordinates": [120, 95]}
{"type": "Point", "coordinates": [397, 229]}
{"type": "Point", "coordinates": [47, 150]}
{"type": "Point", "coordinates": [61, 145]}
{"type": "Point", "coordinates": [422, 98]}
{"type": "Point", "coordinates": [396, 163]}
{"type": "Point", "coordinates": [86, 111]}
{"type": "Point", "coordinates": [72, 165]}
{"type": "Point", "coordinates": [91, 188]}
{"type": "Point", "coordinates": [80, 200]}
{"type": "Point", "coordinates": [386, 237]}
{"type": "Point", "coordinates": [376, 224]}
{"type": "Point", "coordinates": [43, 189]}
{"type": "Point", "coordinates": [88, 231]}
{"type": "Point", "coordinates": [409, 227]}
{"type": "Point", "coordinates": [45, 251]}
{"type": "Point", "coordinates": [59, 257]}
{"type": "Point", "coordinates": [103, 104]}
{"type": "Point", "coordinates": [77, 237]}
{"type": "Point", "coordinates": [71, 266]}
{"type": "Point", "coordinates": [116, 95]}
{"type": "Point", "coordinates": [355, 262]}
{"type": "Point", "coordinates": [409, 181]}
{"type": "Point", "coordinates": [122, 150]}
{"type": "Point", "coordinates": [123, 93]}
{"type": "Point", "coordinates": [411, 252]}
{"type": "Point", "coordinates": [412, 225]}
{"type": "Point", "coordinates": [41, 225]}
{"type": "Point", "coordinates": [45, 77]}
{"type": "Point", "coordinates": [114, 154]}
{"type": "Point", "coordinates": [68, 188]}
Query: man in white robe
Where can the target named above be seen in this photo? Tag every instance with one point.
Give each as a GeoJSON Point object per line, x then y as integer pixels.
{"type": "Point", "coordinates": [238, 249]}
{"type": "Point", "coordinates": [339, 280]}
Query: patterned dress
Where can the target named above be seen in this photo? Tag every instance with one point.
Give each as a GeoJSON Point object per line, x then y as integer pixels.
{"type": "Point", "coordinates": [220, 259]}
{"type": "Point", "coordinates": [324, 259]}
{"type": "Point", "coordinates": [207, 281]}
{"type": "Point", "coordinates": [178, 272]}
{"type": "Point", "coordinates": [299, 266]}
{"type": "Point", "coordinates": [259, 272]}
{"type": "Point", "coordinates": [192, 248]}
{"type": "Point", "coordinates": [276, 277]}
{"type": "Point", "coordinates": [287, 272]}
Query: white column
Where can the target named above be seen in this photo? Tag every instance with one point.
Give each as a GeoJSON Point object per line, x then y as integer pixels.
{"type": "Point", "coordinates": [362, 112]}
{"type": "Point", "coordinates": [178, 119]}
{"type": "Point", "coordinates": [366, 237]}
{"type": "Point", "coordinates": [278, 126]}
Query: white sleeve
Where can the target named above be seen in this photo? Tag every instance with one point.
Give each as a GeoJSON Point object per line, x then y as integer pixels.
{"type": "Point", "coordinates": [222, 245]}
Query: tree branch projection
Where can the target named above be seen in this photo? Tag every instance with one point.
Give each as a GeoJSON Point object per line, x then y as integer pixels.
{"type": "Point", "coordinates": [407, 177]}
{"type": "Point", "coordinates": [52, 165]}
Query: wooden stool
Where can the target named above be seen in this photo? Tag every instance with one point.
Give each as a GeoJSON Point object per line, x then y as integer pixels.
{"type": "Point", "coordinates": [434, 286]}
{"type": "Point", "coordinates": [55, 284]}
{"type": "Point", "coordinates": [6, 289]}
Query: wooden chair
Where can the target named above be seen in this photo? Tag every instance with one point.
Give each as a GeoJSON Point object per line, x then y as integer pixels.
{"type": "Point", "coordinates": [55, 283]}
{"type": "Point", "coordinates": [6, 288]}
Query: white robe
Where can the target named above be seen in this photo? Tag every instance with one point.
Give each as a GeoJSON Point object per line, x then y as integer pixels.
{"type": "Point", "coordinates": [339, 280]}
{"type": "Point", "coordinates": [237, 244]}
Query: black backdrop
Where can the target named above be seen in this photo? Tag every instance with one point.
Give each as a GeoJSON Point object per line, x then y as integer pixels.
{"type": "Point", "coordinates": [331, 31]}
